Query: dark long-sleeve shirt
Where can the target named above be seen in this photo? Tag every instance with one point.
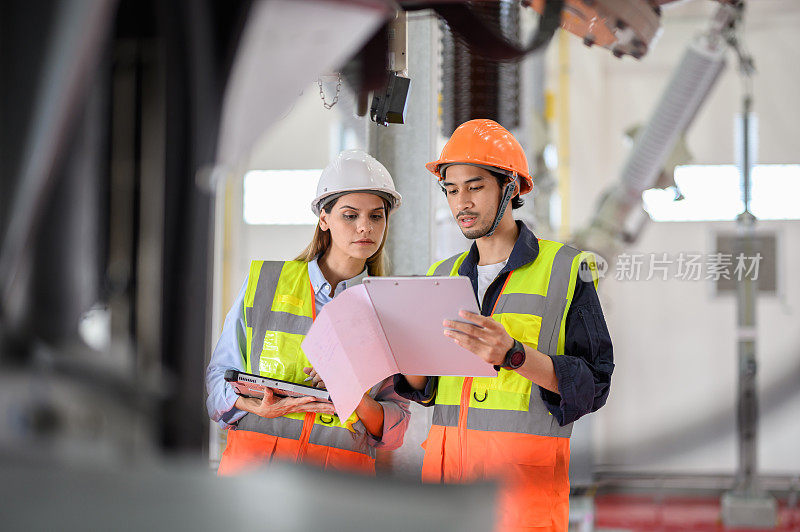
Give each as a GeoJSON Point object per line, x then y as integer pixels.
{"type": "Point", "coordinates": [583, 371]}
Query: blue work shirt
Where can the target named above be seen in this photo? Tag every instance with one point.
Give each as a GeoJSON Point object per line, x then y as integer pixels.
{"type": "Point", "coordinates": [583, 371]}
{"type": "Point", "coordinates": [232, 343]}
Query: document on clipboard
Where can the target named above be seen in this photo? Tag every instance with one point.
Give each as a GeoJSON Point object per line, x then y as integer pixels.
{"type": "Point", "coordinates": [389, 325]}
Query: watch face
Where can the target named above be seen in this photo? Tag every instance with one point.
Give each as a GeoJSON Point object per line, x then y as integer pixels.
{"type": "Point", "coordinates": [516, 359]}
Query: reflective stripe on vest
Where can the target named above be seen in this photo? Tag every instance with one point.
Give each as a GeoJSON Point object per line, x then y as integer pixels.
{"type": "Point", "coordinates": [278, 311]}
{"type": "Point", "coordinates": [448, 266]}
{"type": "Point", "coordinates": [532, 307]}
{"type": "Point", "coordinates": [324, 432]}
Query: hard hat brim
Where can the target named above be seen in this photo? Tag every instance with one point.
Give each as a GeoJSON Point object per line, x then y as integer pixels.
{"type": "Point", "coordinates": [392, 196]}
{"type": "Point", "coordinates": [436, 167]}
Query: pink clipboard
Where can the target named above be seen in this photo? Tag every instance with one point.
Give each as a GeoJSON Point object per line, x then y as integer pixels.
{"type": "Point", "coordinates": [390, 325]}
{"type": "Point", "coordinates": [411, 310]}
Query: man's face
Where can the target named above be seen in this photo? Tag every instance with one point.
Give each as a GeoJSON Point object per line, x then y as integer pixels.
{"type": "Point", "coordinates": [473, 195]}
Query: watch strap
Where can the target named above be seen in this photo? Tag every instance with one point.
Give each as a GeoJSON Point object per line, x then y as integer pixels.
{"type": "Point", "coordinates": [516, 348]}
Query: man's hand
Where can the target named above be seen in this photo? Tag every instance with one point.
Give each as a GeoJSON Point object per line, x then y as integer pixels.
{"type": "Point", "coordinates": [485, 337]}
{"type": "Point", "coordinates": [271, 406]}
{"type": "Point", "coordinates": [417, 382]}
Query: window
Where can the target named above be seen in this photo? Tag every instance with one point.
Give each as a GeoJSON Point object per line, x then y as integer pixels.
{"type": "Point", "coordinates": [280, 197]}
{"type": "Point", "coordinates": [713, 192]}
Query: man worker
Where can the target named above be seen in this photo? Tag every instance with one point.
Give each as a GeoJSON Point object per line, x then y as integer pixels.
{"type": "Point", "coordinates": [541, 325]}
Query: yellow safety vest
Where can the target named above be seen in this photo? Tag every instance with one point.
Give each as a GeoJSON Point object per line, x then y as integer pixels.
{"type": "Point", "coordinates": [532, 306]}
{"type": "Point", "coordinates": [278, 312]}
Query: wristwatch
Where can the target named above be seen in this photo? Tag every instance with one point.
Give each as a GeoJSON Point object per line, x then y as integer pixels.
{"type": "Point", "coordinates": [515, 357]}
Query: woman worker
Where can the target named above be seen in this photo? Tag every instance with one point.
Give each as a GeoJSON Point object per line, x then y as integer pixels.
{"type": "Point", "coordinates": [272, 314]}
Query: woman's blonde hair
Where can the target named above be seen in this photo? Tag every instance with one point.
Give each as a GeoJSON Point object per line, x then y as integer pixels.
{"type": "Point", "coordinates": [321, 241]}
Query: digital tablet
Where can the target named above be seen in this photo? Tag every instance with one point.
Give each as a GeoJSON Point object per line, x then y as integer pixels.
{"type": "Point", "coordinates": [249, 385]}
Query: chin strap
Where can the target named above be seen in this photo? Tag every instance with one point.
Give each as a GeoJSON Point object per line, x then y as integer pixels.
{"type": "Point", "coordinates": [508, 193]}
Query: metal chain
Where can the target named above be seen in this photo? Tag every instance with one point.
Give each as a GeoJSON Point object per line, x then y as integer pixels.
{"type": "Point", "coordinates": [336, 96]}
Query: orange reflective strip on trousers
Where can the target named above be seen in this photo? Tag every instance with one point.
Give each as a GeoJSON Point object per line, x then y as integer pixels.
{"type": "Point", "coordinates": [533, 472]}
{"type": "Point", "coordinates": [248, 450]}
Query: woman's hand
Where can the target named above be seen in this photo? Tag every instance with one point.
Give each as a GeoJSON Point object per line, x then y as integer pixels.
{"type": "Point", "coordinates": [271, 406]}
{"type": "Point", "coordinates": [369, 411]}
{"type": "Point", "coordinates": [316, 380]}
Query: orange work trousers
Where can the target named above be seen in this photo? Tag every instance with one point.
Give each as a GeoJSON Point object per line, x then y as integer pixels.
{"type": "Point", "coordinates": [532, 472]}
{"type": "Point", "coordinates": [247, 450]}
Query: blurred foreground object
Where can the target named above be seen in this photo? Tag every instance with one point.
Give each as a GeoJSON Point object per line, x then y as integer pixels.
{"type": "Point", "coordinates": [284, 497]}
{"type": "Point", "coordinates": [110, 157]}
{"type": "Point", "coordinates": [626, 27]}
{"type": "Point", "coordinates": [298, 41]}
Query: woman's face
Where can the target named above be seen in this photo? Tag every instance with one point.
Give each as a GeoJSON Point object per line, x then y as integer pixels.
{"type": "Point", "coordinates": [357, 222]}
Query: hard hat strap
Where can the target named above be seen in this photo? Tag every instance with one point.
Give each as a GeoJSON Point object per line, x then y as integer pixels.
{"type": "Point", "coordinates": [508, 193]}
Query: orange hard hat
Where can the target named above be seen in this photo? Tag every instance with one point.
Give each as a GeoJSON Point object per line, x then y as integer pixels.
{"type": "Point", "coordinates": [485, 143]}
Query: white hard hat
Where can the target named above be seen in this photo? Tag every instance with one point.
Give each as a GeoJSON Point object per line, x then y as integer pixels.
{"type": "Point", "coordinates": [355, 171]}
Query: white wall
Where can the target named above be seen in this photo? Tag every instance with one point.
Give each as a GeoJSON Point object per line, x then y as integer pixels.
{"type": "Point", "coordinates": [673, 393]}
{"type": "Point", "coordinates": [300, 140]}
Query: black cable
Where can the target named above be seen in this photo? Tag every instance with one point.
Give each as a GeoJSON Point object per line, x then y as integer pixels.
{"type": "Point", "coordinates": [484, 40]}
